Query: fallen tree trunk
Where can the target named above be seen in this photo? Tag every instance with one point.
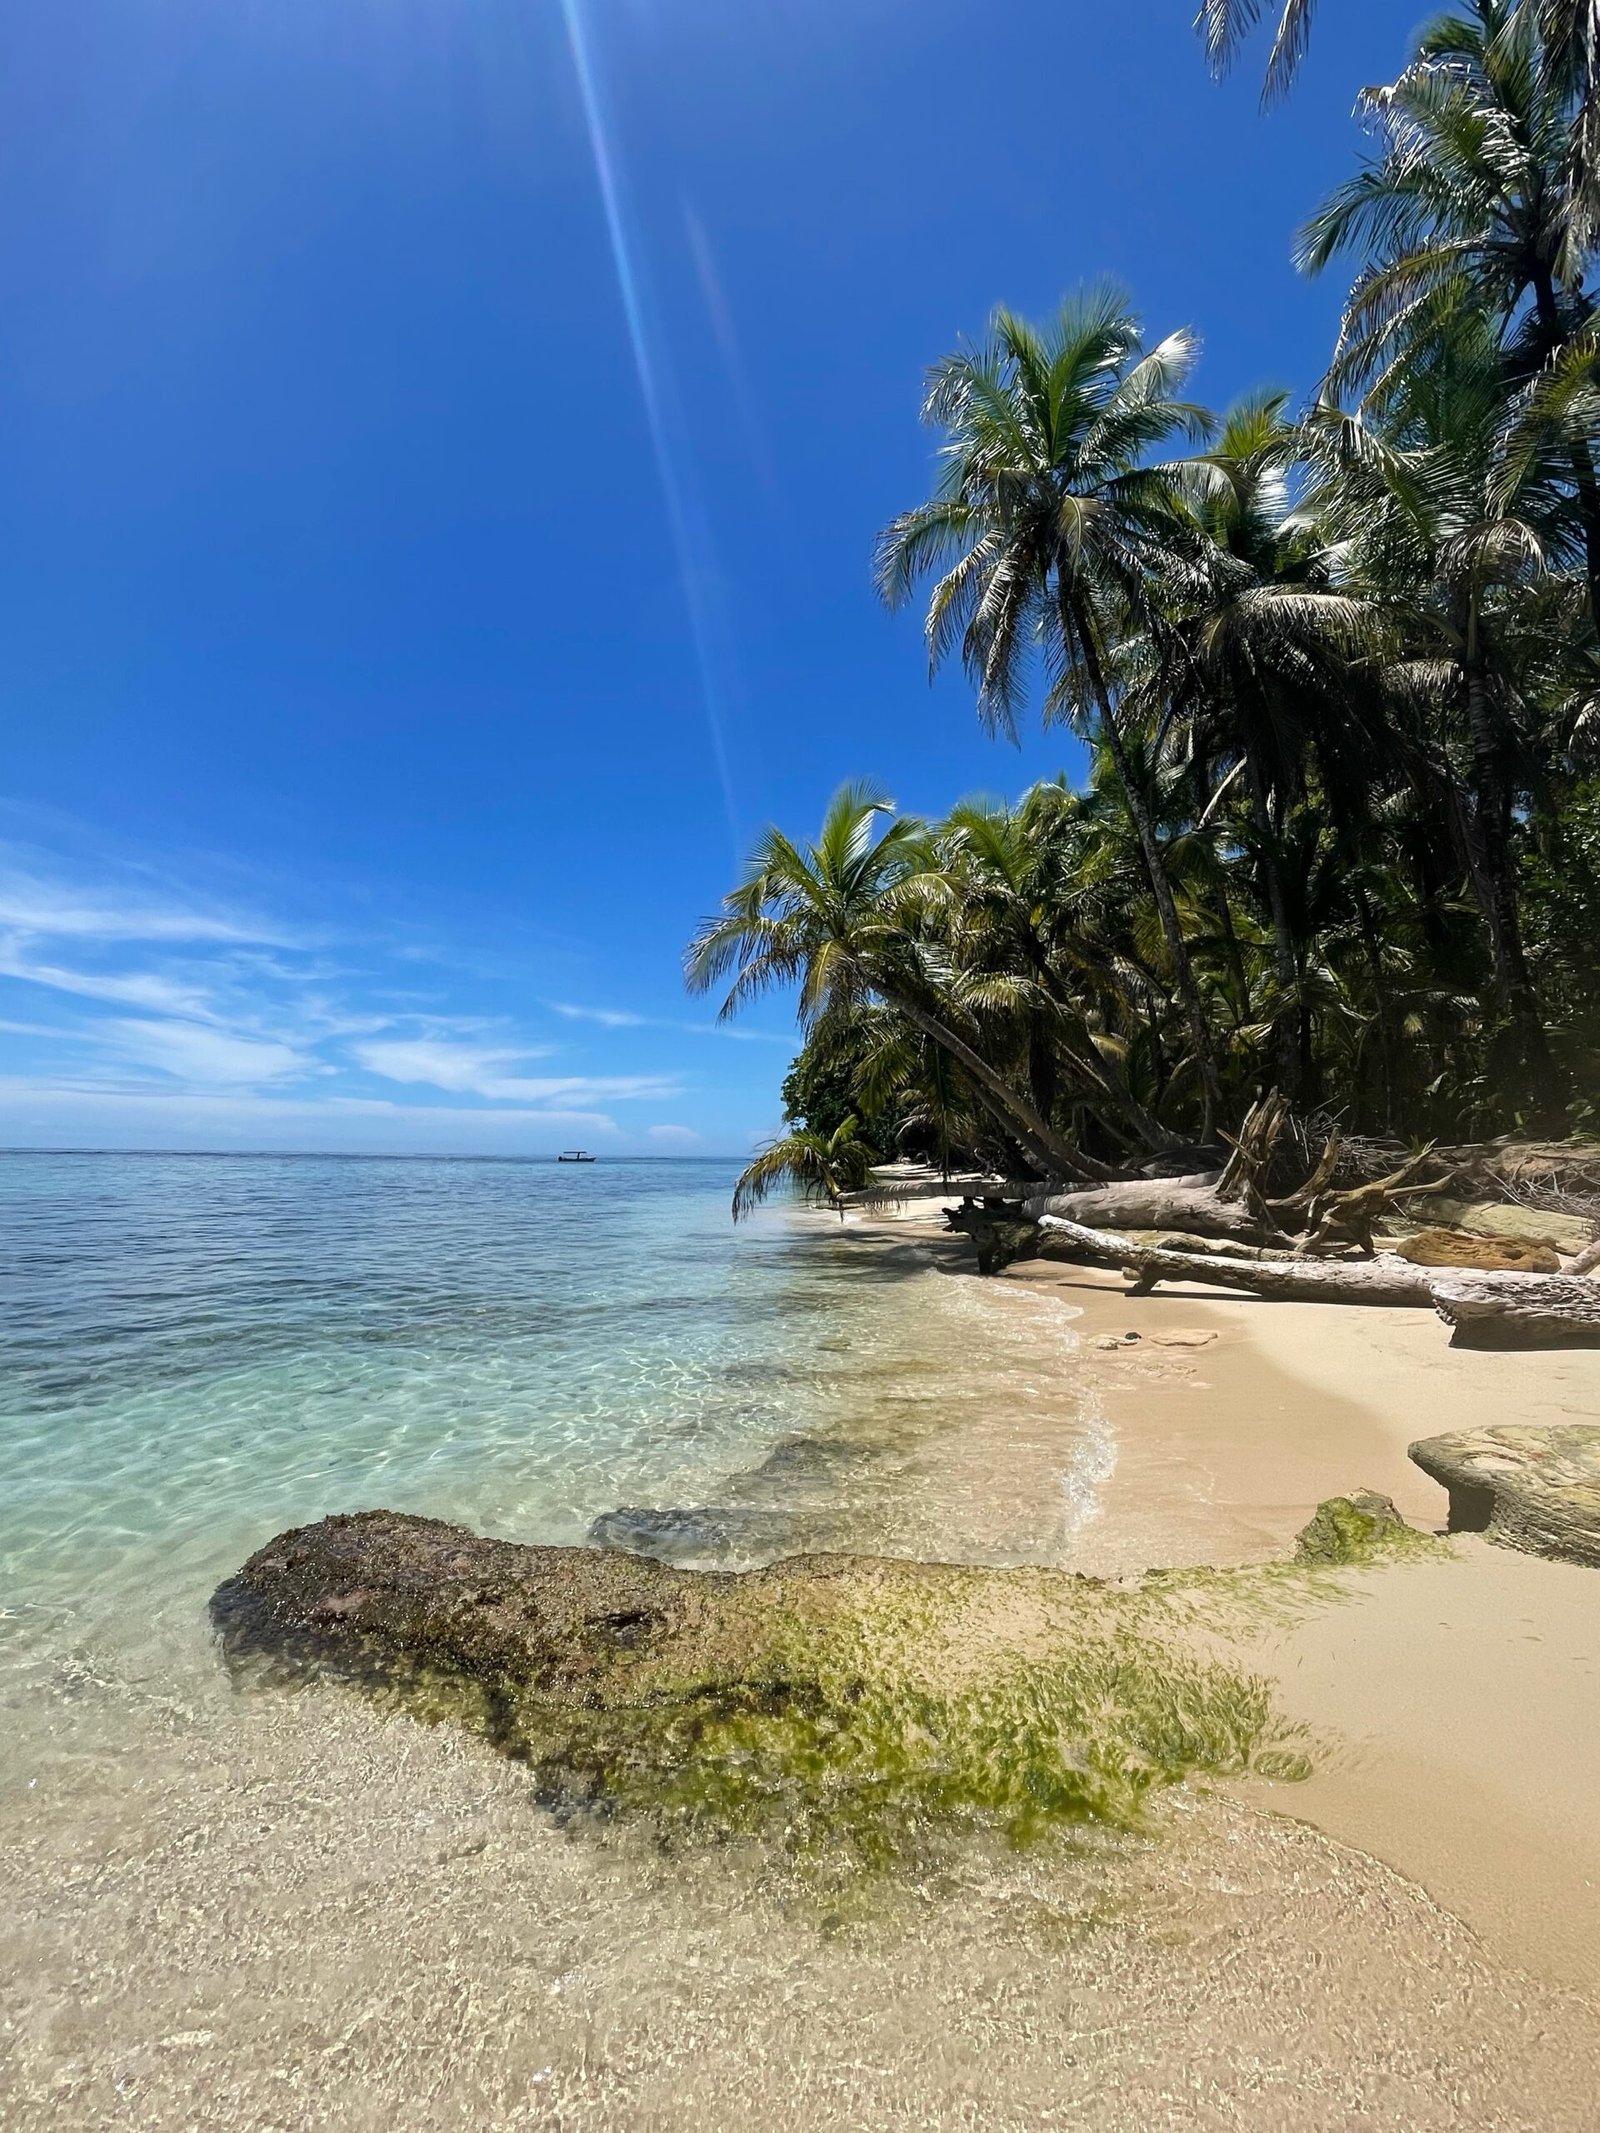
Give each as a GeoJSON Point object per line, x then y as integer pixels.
{"type": "Point", "coordinates": [1506, 1310]}
{"type": "Point", "coordinates": [1190, 1204]}
{"type": "Point", "coordinates": [1387, 1281]}
{"type": "Point", "coordinates": [1492, 1309]}
{"type": "Point", "coordinates": [1211, 1247]}
{"type": "Point", "coordinates": [1239, 1202]}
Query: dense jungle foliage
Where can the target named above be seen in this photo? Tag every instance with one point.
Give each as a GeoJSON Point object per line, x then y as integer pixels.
{"type": "Point", "coordinates": [1337, 673]}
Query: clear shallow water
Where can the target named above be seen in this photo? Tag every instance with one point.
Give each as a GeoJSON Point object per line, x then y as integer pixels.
{"type": "Point", "coordinates": [287, 1909]}
{"type": "Point", "coordinates": [196, 1352]}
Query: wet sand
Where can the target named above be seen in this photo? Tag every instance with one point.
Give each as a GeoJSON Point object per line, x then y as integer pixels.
{"type": "Point", "coordinates": [1457, 1712]}
{"type": "Point", "coordinates": [1456, 1703]}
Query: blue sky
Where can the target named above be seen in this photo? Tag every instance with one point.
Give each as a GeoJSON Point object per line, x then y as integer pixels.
{"type": "Point", "coordinates": [409, 606]}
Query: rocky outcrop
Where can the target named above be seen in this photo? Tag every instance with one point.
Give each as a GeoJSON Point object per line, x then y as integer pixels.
{"type": "Point", "coordinates": [833, 1698]}
{"type": "Point", "coordinates": [1531, 1487]}
{"type": "Point", "coordinates": [1361, 1528]}
{"type": "Point", "coordinates": [428, 1595]}
{"type": "Point", "coordinates": [1458, 1247]}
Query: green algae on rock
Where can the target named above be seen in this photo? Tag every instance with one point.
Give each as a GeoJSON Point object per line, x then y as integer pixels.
{"type": "Point", "coordinates": [1360, 1528]}
{"type": "Point", "coordinates": [825, 1699]}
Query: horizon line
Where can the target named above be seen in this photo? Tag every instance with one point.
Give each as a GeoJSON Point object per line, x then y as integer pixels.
{"type": "Point", "coordinates": [367, 1155]}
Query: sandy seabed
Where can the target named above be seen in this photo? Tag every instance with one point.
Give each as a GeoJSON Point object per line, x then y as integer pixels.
{"type": "Point", "coordinates": [329, 1917]}
{"type": "Point", "coordinates": [289, 1909]}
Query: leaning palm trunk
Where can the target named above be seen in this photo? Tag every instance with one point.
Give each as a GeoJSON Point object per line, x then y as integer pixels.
{"type": "Point", "coordinates": [1548, 307]}
{"type": "Point", "coordinates": [1167, 911]}
{"type": "Point", "coordinates": [1107, 1092]}
{"type": "Point", "coordinates": [1038, 1141]}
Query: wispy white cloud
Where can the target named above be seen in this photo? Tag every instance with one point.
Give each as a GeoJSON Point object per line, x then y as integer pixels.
{"type": "Point", "coordinates": [624, 1018]}
{"type": "Point", "coordinates": [135, 988]}
{"type": "Point", "coordinates": [139, 1011]}
{"type": "Point", "coordinates": [607, 1017]}
{"type": "Point", "coordinates": [41, 1029]}
{"type": "Point", "coordinates": [37, 1111]}
{"type": "Point", "coordinates": [121, 910]}
{"type": "Point", "coordinates": [207, 1057]}
{"type": "Point", "coordinates": [738, 1036]}
{"type": "Point", "coordinates": [465, 1069]}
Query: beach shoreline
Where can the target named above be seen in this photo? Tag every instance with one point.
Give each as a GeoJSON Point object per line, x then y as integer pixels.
{"type": "Point", "coordinates": [254, 1904]}
{"type": "Point", "coordinates": [1455, 1703]}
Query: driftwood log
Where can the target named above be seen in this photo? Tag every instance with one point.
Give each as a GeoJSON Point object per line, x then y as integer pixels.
{"type": "Point", "coordinates": [1495, 1309]}
{"type": "Point", "coordinates": [1371, 1281]}
{"type": "Point", "coordinates": [1488, 1310]}
{"type": "Point", "coordinates": [1503, 1310]}
{"type": "Point", "coordinates": [1193, 1205]}
{"type": "Point", "coordinates": [1246, 1201]}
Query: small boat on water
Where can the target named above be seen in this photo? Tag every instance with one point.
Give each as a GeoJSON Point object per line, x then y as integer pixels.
{"type": "Point", "coordinates": [574, 1155]}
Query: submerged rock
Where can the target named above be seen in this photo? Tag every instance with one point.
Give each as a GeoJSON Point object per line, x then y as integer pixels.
{"type": "Point", "coordinates": [821, 1459]}
{"type": "Point", "coordinates": [828, 1697]}
{"type": "Point", "coordinates": [1530, 1486]}
{"type": "Point", "coordinates": [1361, 1528]}
{"type": "Point", "coordinates": [436, 1597]}
{"type": "Point", "coordinates": [704, 1533]}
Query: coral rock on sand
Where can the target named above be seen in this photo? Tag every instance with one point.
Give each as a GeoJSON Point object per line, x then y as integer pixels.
{"type": "Point", "coordinates": [1455, 1247]}
{"type": "Point", "coordinates": [1359, 1528]}
{"type": "Point", "coordinates": [453, 1600]}
{"type": "Point", "coordinates": [828, 1696]}
{"type": "Point", "coordinates": [1528, 1487]}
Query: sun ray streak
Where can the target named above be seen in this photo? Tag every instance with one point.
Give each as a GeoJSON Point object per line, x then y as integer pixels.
{"type": "Point", "coordinates": [688, 544]}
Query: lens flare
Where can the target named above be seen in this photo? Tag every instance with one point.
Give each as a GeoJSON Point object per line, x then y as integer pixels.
{"type": "Point", "coordinates": [690, 540]}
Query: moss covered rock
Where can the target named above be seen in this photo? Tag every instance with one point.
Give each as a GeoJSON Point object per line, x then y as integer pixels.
{"type": "Point", "coordinates": [1361, 1528]}
{"type": "Point", "coordinates": [823, 1699]}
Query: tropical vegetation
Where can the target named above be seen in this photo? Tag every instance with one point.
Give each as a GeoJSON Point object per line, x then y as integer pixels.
{"type": "Point", "coordinates": [1336, 670]}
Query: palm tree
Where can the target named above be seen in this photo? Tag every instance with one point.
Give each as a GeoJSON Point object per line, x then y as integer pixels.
{"type": "Point", "coordinates": [1049, 528]}
{"type": "Point", "coordinates": [832, 918]}
{"type": "Point", "coordinates": [1462, 556]}
{"type": "Point", "coordinates": [999, 868]}
{"type": "Point", "coordinates": [1570, 30]}
{"type": "Point", "coordinates": [1259, 655]}
{"type": "Point", "coordinates": [1569, 64]}
{"type": "Point", "coordinates": [825, 1166]}
{"type": "Point", "coordinates": [1468, 212]}
{"type": "Point", "coordinates": [1225, 24]}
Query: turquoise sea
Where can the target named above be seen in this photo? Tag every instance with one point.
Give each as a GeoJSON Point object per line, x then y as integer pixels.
{"type": "Point", "coordinates": [197, 1351]}
{"type": "Point", "coordinates": [267, 1905]}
